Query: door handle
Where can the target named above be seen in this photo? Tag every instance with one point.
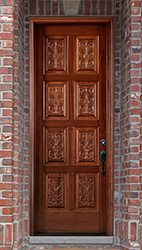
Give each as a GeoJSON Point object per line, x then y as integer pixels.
{"type": "Point", "coordinates": [103, 159]}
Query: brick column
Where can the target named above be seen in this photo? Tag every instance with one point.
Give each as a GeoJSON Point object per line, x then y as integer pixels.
{"type": "Point", "coordinates": [6, 123]}
{"type": "Point", "coordinates": [14, 116]}
{"type": "Point", "coordinates": [130, 124]}
{"type": "Point", "coordinates": [11, 123]}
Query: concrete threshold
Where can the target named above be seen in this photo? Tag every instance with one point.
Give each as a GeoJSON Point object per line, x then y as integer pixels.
{"type": "Point", "coordinates": [75, 240]}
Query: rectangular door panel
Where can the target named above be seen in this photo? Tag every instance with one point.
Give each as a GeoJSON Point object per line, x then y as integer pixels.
{"type": "Point", "coordinates": [55, 191]}
{"type": "Point", "coordinates": [87, 195]}
{"type": "Point", "coordinates": [55, 54]}
{"type": "Point", "coordinates": [55, 100]}
{"type": "Point", "coordinates": [86, 146]}
{"type": "Point", "coordinates": [55, 146]}
{"type": "Point", "coordinates": [86, 50]}
{"type": "Point", "coordinates": [86, 100]}
{"type": "Point", "coordinates": [70, 221]}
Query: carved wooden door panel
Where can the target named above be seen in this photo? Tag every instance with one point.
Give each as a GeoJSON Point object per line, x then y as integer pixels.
{"type": "Point", "coordinates": [70, 122]}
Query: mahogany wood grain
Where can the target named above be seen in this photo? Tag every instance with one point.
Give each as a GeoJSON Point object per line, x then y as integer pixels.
{"type": "Point", "coordinates": [77, 198]}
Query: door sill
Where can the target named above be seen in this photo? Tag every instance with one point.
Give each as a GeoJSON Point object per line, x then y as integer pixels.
{"type": "Point", "coordinates": [75, 240]}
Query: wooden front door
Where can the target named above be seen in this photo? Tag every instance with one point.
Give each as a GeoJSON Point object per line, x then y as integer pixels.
{"type": "Point", "coordinates": [70, 193]}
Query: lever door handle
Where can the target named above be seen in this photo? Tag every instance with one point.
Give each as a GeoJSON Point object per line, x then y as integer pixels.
{"type": "Point", "coordinates": [103, 159]}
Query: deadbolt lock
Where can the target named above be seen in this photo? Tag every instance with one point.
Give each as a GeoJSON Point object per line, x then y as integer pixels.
{"type": "Point", "coordinates": [103, 142]}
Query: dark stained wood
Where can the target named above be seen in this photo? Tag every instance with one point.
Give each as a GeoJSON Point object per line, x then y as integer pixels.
{"type": "Point", "coordinates": [72, 126]}
{"type": "Point", "coordinates": [110, 127]}
{"type": "Point", "coordinates": [32, 130]}
{"type": "Point", "coordinates": [71, 20]}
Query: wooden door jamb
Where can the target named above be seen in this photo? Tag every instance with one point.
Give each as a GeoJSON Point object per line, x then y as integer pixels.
{"type": "Point", "coordinates": [108, 21]}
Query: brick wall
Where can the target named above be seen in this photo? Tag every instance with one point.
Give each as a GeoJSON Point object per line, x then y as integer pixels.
{"type": "Point", "coordinates": [86, 7]}
{"type": "Point", "coordinates": [6, 122]}
{"type": "Point", "coordinates": [130, 124]}
{"type": "Point", "coordinates": [117, 84]}
{"type": "Point", "coordinates": [140, 220]}
{"type": "Point", "coordinates": [11, 123]}
{"type": "Point", "coordinates": [14, 117]}
{"type": "Point", "coordinates": [18, 132]}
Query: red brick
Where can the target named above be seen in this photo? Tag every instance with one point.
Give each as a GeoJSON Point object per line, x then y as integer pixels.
{"type": "Point", "coordinates": [7, 95]}
{"type": "Point", "coordinates": [102, 7]}
{"type": "Point", "coordinates": [7, 145]}
{"type": "Point", "coordinates": [6, 137]}
{"type": "Point", "coordinates": [135, 88]}
{"type": "Point", "coordinates": [134, 179]}
{"type": "Point", "coordinates": [8, 234]}
{"type": "Point", "coordinates": [136, 19]}
{"type": "Point", "coordinates": [5, 202]}
{"type": "Point", "coordinates": [40, 8]}
{"type": "Point", "coordinates": [48, 7]}
{"type": "Point", "coordinates": [7, 112]}
{"type": "Point", "coordinates": [7, 162]}
{"type": "Point", "coordinates": [136, 3]}
{"type": "Point", "coordinates": [5, 70]}
{"type": "Point", "coordinates": [6, 104]}
{"type": "Point", "coordinates": [26, 227]}
{"type": "Point", "coordinates": [135, 57]}
{"type": "Point", "coordinates": [135, 73]}
{"type": "Point", "coordinates": [5, 52]}
{"type": "Point", "coordinates": [15, 228]}
{"type": "Point", "coordinates": [8, 10]}
{"type": "Point", "coordinates": [133, 231]}
{"type": "Point", "coordinates": [8, 78]}
{"type": "Point", "coordinates": [135, 11]}
{"type": "Point", "coordinates": [135, 42]}
{"type": "Point", "coordinates": [7, 27]}
{"type": "Point", "coordinates": [132, 210]}
{"type": "Point", "coordinates": [7, 210]}
{"type": "Point", "coordinates": [55, 7]}
{"type": "Point", "coordinates": [5, 154]}
{"type": "Point", "coordinates": [6, 36]}
{"type": "Point", "coordinates": [136, 65]}
{"type": "Point", "coordinates": [32, 7]}
{"type": "Point", "coordinates": [135, 26]}
{"type": "Point", "coordinates": [1, 234]}
{"type": "Point", "coordinates": [87, 7]}
{"type": "Point", "coordinates": [135, 103]}
{"type": "Point", "coordinates": [6, 19]}
{"type": "Point", "coordinates": [7, 194]}
{"type": "Point", "coordinates": [8, 44]}
{"type": "Point", "coordinates": [10, 2]}
{"type": "Point", "coordinates": [5, 186]}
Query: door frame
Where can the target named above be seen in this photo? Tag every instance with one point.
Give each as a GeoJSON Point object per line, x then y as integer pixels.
{"type": "Point", "coordinates": [108, 21]}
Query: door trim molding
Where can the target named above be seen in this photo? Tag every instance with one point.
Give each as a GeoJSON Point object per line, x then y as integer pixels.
{"type": "Point", "coordinates": [108, 21]}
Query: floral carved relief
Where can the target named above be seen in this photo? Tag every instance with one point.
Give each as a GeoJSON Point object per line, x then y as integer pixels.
{"type": "Point", "coordinates": [56, 100]}
{"type": "Point", "coordinates": [86, 146]}
{"type": "Point", "coordinates": [87, 100]}
{"type": "Point", "coordinates": [86, 197]}
{"type": "Point", "coordinates": [86, 54]}
{"type": "Point", "coordinates": [56, 54]}
{"type": "Point", "coordinates": [55, 146]}
{"type": "Point", "coordinates": [56, 192]}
